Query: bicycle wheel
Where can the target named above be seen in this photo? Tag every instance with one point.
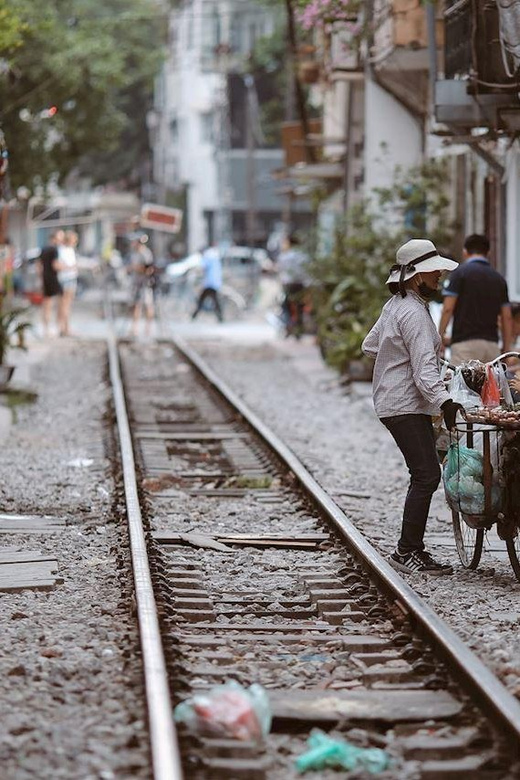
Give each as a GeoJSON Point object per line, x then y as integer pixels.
{"type": "Point", "coordinates": [513, 550]}
{"type": "Point", "coordinates": [468, 541]}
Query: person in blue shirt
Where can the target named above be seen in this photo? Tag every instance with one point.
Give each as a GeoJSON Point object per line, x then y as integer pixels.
{"type": "Point", "coordinates": [476, 298]}
{"type": "Point", "coordinates": [212, 282]}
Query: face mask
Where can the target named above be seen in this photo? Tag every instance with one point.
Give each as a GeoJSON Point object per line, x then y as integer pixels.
{"type": "Point", "coordinates": [425, 291]}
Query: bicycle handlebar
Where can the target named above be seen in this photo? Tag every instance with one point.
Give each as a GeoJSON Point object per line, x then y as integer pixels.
{"type": "Point", "coordinates": [448, 364]}
{"type": "Point", "coordinates": [491, 362]}
{"type": "Point", "coordinates": [505, 356]}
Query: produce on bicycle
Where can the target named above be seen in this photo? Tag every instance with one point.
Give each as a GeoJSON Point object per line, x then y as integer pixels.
{"type": "Point", "coordinates": [408, 389]}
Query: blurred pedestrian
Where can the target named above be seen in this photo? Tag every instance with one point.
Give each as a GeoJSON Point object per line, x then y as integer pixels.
{"type": "Point", "coordinates": [142, 270]}
{"type": "Point", "coordinates": [476, 298]}
{"type": "Point", "coordinates": [51, 287]}
{"type": "Point", "coordinates": [291, 266]}
{"type": "Point", "coordinates": [68, 279]}
{"type": "Point", "coordinates": [211, 283]}
{"type": "Point", "coordinates": [408, 389]}
{"type": "Point", "coordinates": [7, 255]}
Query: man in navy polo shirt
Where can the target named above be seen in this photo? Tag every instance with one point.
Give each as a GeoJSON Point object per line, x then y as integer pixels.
{"type": "Point", "coordinates": [476, 298]}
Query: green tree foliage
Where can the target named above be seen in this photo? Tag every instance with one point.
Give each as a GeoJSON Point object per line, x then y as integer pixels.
{"type": "Point", "coordinates": [350, 274]}
{"type": "Point", "coordinates": [11, 27]}
{"type": "Point", "coordinates": [11, 331]}
{"type": "Point", "coordinates": [94, 62]}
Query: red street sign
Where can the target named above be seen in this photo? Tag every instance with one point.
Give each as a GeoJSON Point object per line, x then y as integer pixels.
{"type": "Point", "coordinates": [156, 217]}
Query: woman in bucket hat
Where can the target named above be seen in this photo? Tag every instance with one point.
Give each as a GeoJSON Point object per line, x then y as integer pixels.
{"type": "Point", "coordinates": [408, 389]}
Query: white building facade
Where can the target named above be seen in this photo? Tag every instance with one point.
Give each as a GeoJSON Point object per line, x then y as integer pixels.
{"type": "Point", "coordinates": [190, 127]}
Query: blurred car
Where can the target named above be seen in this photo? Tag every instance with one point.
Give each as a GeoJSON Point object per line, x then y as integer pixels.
{"type": "Point", "coordinates": [180, 267]}
{"type": "Point", "coordinates": [26, 275]}
{"type": "Point", "coordinates": [89, 272]}
{"type": "Point", "coordinates": [242, 268]}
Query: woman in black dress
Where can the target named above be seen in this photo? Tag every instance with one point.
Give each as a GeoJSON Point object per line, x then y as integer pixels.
{"type": "Point", "coordinates": [49, 270]}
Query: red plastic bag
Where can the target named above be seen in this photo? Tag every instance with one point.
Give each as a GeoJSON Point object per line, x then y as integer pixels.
{"type": "Point", "coordinates": [227, 710]}
{"type": "Point", "coordinates": [490, 391]}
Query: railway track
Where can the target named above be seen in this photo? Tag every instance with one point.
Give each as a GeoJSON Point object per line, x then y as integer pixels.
{"type": "Point", "coordinates": [258, 576]}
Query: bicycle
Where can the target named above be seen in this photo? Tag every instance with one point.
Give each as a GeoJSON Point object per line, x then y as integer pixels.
{"type": "Point", "coordinates": [494, 434]}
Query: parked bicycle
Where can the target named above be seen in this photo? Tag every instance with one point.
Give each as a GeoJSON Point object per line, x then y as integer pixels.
{"type": "Point", "coordinates": [482, 475]}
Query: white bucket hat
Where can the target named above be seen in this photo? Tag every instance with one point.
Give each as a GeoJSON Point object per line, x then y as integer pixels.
{"type": "Point", "coordinates": [417, 256]}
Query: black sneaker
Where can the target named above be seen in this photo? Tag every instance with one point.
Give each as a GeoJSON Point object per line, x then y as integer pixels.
{"type": "Point", "coordinates": [419, 561]}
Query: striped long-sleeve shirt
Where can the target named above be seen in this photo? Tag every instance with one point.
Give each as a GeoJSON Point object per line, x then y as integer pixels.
{"type": "Point", "coordinates": [406, 347]}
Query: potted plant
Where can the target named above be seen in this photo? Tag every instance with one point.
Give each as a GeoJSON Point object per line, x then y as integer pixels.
{"type": "Point", "coordinates": [12, 336]}
{"type": "Point", "coordinates": [309, 71]}
{"type": "Point", "coordinates": [349, 290]}
{"type": "Point", "coordinates": [350, 267]}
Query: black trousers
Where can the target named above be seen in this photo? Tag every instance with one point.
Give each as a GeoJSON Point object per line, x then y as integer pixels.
{"type": "Point", "coordinates": [293, 306]}
{"type": "Point", "coordinates": [209, 292]}
{"type": "Point", "coordinates": [413, 434]}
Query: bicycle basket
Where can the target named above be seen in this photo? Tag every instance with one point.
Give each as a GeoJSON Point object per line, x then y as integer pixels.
{"type": "Point", "coordinates": [471, 474]}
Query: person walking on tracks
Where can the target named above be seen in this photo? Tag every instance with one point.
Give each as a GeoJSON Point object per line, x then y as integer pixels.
{"type": "Point", "coordinates": [408, 389]}
{"type": "Point", "coordinates": [476, 297]}
{"type": "Point", "coordinates": [142, 270]}
{"type": "Point", "coordinates": [212, 282]}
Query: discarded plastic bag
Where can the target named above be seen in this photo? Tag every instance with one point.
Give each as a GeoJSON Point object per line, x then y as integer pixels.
{"type": "Point", "coordinates": [328, 752]}
{"type": "Point", "coordinates": [490, 391]}
{"type": "Point", "coordinates": [461, 393]}
{"type": "Point", "coordinates": [228, 710]}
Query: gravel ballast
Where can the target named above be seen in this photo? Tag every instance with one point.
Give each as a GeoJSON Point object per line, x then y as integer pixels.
{"type": "Point", "coordinates": [70, 669]}
{"type": "Point", "coordinates": [334, 431]}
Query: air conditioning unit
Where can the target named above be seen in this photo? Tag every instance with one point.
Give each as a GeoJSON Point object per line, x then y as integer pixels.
{"type": "Point", "coordinates": [482, 44]}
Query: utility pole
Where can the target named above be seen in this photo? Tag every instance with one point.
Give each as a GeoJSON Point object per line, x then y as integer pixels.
{"type": "Point", "coordinates": [223, 221]}
{"type": "Point", "coordinates": [250, 163]}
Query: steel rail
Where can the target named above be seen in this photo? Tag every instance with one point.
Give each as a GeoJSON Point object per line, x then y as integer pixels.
{"type": "Point", "coordinates": [163, 737]}
{"type": "Point", "coordinates": [482, 682]}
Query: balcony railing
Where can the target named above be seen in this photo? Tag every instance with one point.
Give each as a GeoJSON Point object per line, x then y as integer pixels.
{"type": "Point", "coordinates": [458, 37]}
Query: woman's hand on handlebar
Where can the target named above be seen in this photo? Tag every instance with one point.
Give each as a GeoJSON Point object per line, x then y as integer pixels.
{"type": "Point", "coordinates": [450, 409]}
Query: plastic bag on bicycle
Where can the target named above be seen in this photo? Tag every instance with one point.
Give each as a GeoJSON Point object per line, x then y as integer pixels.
{"type": "Point", "coordinates": [490, 392]}
{"type": "Point", "coordinates": [461, 393]}
{"type": "Point", "coordinates": [463, 477]}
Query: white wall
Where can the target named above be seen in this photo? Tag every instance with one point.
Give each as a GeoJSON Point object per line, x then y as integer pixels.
{"type": "Point", "coordinates": [197, 167]}
{"type": "Point", "coordinates": [186, 159]}
{"type": "Point", "coordinates": [192, 87]}
{"type": "Point", "coordinates": [388, 125]}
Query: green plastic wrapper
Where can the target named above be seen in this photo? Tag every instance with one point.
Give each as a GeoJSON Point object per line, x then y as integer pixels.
{"type": "Point", "coordinates": [326, 752]}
